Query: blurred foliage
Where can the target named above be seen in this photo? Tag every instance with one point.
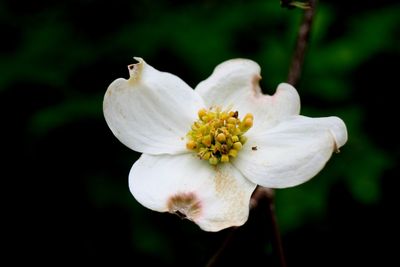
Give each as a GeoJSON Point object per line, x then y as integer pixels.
{"type": "Point", "coordinates": [57, 59]}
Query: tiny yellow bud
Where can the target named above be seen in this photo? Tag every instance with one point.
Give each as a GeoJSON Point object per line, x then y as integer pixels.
{"type": "Point", "coordinates": [249, 115]}
{"type": "Point", "coordinates": [213, 160]}
{"type": "Point", "coordinates": [205, 118]}
{"type": "Point", "coordinates": [191, 145]}
{"type": "Point", "coordinates": [202, 151]}
{"type": "Point", "coordinates": [216, 147]}
{"type": "Point", "coordinates": [203, 129]}
{"type": "Point", "coordinates": [224, 158]}
{"type": "Point", "coordinates": [235, 138]}
{"type": "Point", "coordinates": [229, 143]}
{"type": "Point", "coordinates": [232, 120]}
{"type": "Point", "coordinates": [217, 124]}
{"type": "Point", "coordinates": [206, 140]}
{"type": "Point", "coordinates": [233, 153]}
{"type": "Point", "coordinates": [223, 116]}
{"type": "Point", "coordinates": [248, 122]}
{"type": "Point", "coordinates": [221, 137]}
{"type": "Point", "coordinates": [237, 146]}
{"type": "Point", "coordinates": [211, 115]}
{"type": "Point", "coordinates": [202, 112]}
{"type": "Point", "coordinates": [243, 139]}
{"type": "Point", "coordinates": [231, 127]}
{"type": "Point", "coordinates": [206, 155]}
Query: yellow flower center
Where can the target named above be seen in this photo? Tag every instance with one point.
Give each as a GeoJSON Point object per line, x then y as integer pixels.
{"type": "Point", "coordinates": [218, 135]}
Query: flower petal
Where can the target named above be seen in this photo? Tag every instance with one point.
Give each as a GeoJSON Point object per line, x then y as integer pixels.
{"type": "Point", "coordinates": [235, 83]}
{"type": "Point", "coordinates": [213, 197]}
{"type": "Point", "coordinates": [152, 111]}
{"type": "Point", "coordinates": [292, 152]}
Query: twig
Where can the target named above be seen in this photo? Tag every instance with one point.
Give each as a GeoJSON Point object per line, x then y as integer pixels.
{"type": "Point", "coordinates": [267, 193]}
{"type": "Point", "coordinates": [276, 236]}
{"type": "Point", "coordinates": [293, 4]}
{"type": "Point", "coordinates": [214, 259]}
{"type": "Point", "coordinates": [301, 45]}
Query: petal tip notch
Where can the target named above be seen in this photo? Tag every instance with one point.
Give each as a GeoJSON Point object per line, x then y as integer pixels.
{"type": "Point", "coordinates": [339, 133]}
{"type": "Point", "coordinates": [135, 70]}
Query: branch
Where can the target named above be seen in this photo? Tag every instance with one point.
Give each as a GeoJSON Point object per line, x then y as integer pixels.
{"type": "Point", "coordinates": [301, 45]}
{"type": "Point", "coordinates": [269, 195]}
{"type": "Point", "coordinates": [293, 4]}
{"type": "Point", "coordinates": [214, 259]}
{"type": "Point", "coordinates": [293, 77]}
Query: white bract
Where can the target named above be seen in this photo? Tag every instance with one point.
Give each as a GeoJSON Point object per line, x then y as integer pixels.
{"type": "Point", "coordinates": [200, 160]}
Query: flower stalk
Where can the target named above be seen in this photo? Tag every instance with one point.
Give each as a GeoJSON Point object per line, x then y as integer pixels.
{"type": "Point", "coordinates": [301, 44]}
{"type": "Point", "coordinates": [267, 193]}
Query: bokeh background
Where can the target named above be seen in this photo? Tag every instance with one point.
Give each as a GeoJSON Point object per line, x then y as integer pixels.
{"type": "Point", "coordinates": [65, 184]}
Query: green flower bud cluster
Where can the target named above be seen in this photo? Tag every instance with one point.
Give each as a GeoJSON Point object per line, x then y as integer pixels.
{"type": "Point", "coordinates": [217, 136]}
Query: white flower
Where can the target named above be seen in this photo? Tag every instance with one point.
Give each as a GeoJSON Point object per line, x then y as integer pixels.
{"type": "Point", "coordinates": [157, 114]}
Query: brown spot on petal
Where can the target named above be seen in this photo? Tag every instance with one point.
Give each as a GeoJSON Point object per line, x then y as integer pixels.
{"type": "Point", "coordinates": [222, 181]}
{"type": "Point", "coordinates": [335, 147]}
{"type": "Point", "coordinates": [225, 182]}
{"type": "Point", "coordinates": [256, 84]}
{"type": "Point", "coordinates": [227, 188]}
{"type": "Point", "coordinates": [135, 71]}
{"type": "Point", "coordinates": [185, 205]}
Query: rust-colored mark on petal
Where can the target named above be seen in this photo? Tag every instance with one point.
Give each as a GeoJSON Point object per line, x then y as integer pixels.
{"type": "Point", "coordinates": [225, 182]}
{"type": "Point", "coordinates": [222, 181]}
{"type": "Point", "coordinates": [256, 84]}
{"type": "Point", "coordinates": [229, 191]}
{"type": "Point", "coordinates": [185, 205]}
{"type": "Point", "coordinates": [335, 147]}
{"type": "Point", "coordinates": [135, 71]}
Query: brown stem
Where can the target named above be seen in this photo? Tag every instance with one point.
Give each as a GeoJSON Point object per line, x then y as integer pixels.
{"type": "Point", "coordinates": [276, 236]}
{"type": "Point", "coordinates": [301, 45]}
{"type": "Point", "coordinates": [277, 241]}
{"type": "Point", "coordinates": [214, 259]}
{"type": "Point", "coordinates": [267, 193]}
{"type": "Point", "coordinates": [286, 3]}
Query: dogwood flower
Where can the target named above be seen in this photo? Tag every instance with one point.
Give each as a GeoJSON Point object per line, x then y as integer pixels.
{"type": "Point", "coordinates": [205, 150]}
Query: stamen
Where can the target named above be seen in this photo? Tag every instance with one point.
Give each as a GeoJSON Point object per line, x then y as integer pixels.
{"type": "Point", "coordinates": [202, 112]}
{"type": "Point", "coordinates": [218, 136]}
{"type": "Point", "coordinates": [233, 153]}
{"type": "Point", "coordinates": [191, 144]}
{"type": "Point", "coordinates": [237, 146]}
{"type": "Point", "coordinates": [224, 158]}
{"type": "Point", "coordinates": [213, 161]}
{"type": "Point", "coordinates": [221, 137]}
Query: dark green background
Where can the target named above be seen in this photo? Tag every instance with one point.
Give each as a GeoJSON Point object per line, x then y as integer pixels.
{"type": "Point", "coordinates": [65, 176]}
